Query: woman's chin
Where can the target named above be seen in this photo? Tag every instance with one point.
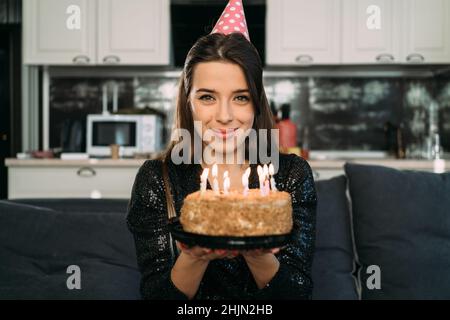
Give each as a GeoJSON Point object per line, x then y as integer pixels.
{"type": "Point", "coordinates": [223, 152]}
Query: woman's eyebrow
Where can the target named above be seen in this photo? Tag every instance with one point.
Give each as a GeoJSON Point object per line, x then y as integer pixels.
{"type": "Point", "coordinates": [214, 91]}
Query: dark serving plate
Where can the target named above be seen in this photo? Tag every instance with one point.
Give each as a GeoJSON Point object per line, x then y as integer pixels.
{"type": "Point", "coordinates": [222, 242]}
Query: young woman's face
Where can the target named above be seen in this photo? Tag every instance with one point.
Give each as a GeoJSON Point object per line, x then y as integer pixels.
{"type": "Point", "coordinates": [221, 101]}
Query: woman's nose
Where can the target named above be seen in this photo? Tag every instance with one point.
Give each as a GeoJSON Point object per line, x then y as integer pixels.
{"type": "Point", "coordinates": [224, 114]}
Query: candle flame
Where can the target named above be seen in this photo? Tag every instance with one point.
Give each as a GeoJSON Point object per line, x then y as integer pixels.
{"type": "Point", "coordinates": [244, 180]}
{"type": "Point", "coordinates": [271, 169]}
{"type": "Point", "coordinates": [214, 170]}
{"type": "Point", "coordinates": [265, 170]}
{"type": "Point", "coordinates": [260, 171]}
{"type": "Point", "coordinates": [225, 174]}
{"type": "Point", "coordinates": [205, 173]}
{"type": "Point", "coordinates": [247, 172]}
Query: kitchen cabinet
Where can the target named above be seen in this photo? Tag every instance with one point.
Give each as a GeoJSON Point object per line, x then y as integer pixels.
{"type": "Point", "coordinates": [426, 31]}
{"type": "Point", "coordinates": [55, 178]}
{"type": "Point", "coordinates": [371, 31]}
{"type": "Point", "coordinates": [50, 37]}
{"type": "Point", "coordinates": [303, 32]}
{"type": "Point", "coordinates": [132, 32]}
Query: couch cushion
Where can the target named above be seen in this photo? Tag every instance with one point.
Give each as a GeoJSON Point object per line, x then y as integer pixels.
{"type": "Point", "coordinates": [78, 205]}
{"type": "Point", "coordinates": [333, 259]}
{"type": "Point", "coordinates": [38, 244]}
{"type": "Point", "coordinates": [402, 225]}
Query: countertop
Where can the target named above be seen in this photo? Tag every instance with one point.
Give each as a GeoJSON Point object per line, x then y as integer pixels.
{"type": "Point", "coordinates": [415, 164]}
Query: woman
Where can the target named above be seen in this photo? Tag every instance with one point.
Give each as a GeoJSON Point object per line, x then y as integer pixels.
{"type": "Point", "coordinates": [221, 86]}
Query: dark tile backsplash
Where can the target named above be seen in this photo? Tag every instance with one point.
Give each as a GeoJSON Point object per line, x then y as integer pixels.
{"type": "Point", "coordinates": [341, 113]}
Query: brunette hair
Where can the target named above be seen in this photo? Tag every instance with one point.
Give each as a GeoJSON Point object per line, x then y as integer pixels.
{"type": "Point", "coordinates": [233, 48]}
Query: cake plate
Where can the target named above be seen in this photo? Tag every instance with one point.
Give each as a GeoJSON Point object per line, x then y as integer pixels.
{"type": "Point", "coordinates": [224, 242]}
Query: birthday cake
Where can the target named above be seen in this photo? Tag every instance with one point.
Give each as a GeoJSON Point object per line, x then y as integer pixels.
{"type": "Point", "coordinates": [237, 214]}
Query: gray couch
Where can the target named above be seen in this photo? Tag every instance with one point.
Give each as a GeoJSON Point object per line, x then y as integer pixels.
{"type": "Point", "coordinates": [398, 222]}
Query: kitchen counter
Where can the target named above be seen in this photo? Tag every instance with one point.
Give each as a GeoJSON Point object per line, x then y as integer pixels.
{"type": "Point", "coordinates": [109, 178]}
{"type": "Point", "coordinates": [10, 162]}
{"type": "Point", "coordinates": [405, 164]}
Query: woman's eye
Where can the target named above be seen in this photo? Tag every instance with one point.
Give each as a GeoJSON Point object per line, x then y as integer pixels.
{"type": "Point", "coordinates": [206, 97]}
{"type": "Point", "coordinates": [243, 98]}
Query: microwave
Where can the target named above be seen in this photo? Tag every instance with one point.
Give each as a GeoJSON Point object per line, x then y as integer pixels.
{"type": "Point", "coordinates": [133, 133]}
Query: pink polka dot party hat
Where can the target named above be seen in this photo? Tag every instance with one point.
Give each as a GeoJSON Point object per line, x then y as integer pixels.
{"type": "Point", "coordinates": [232, 19]}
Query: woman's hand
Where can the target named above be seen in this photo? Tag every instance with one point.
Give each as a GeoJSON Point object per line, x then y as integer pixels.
{"type": "Point", "coordinates": [263, 264]}
{"type": "Point", "coordinates": [205, 254]}
{"type": "Point", "coordinates": [258, 253]}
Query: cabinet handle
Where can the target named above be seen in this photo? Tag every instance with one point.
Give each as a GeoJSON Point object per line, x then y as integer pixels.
{"type": "Point", "coordinates": [81, 59]}
{"type": "Point", "coordinates": [415, 57]}
{"type": "Point", "coordinates": [304, 59]}
{"type": "Point", "coordinates": [385, 57]}
{"type": "Point", "coordinates": [111, 59]}
{"type": "Point", "coordinates": [86, 172]}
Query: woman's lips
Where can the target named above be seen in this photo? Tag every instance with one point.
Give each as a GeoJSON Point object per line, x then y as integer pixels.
{"type": "Point", "coordinates": [224, 133]}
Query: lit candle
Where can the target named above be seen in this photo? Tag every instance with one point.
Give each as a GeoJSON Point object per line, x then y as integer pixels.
{"type": "Point", "coordinates": [266, 180]}
{"type": "Point", "coordinates": [272, 180]}
{"type": "Point", "coordinates": [226, 182]}
{"type": "Point", "coordinates": [215, 181]}
{"type": "Point", "coordinates": [266, 187]}
{"type": "Point", "coordinates": [245, 177]}
{"type": "Point", "coordinates": [204, 178]}
{"type": "Point", "coordinates": [261, 180]}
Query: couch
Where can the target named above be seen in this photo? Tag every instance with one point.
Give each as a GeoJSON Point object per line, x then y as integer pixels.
{"type": "Point", "coordinates": [381, 234]}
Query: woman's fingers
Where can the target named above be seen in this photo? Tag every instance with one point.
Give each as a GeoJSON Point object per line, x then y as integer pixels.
{"type": "Point", "coordinates": [211, 254]}
{"type": "Point", "coordinates": [258, 252]}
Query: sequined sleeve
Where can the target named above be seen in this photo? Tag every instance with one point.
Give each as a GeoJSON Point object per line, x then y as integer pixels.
{"type": "Point", "coordinates": [147, 220]}
{"type": "Point", "coordinates": [293, 279]}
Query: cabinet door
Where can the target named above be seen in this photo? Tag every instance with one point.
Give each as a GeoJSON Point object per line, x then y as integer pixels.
{"type": "Point", "coordinates": [133, 32]}
{"type": "Point", "coordinates": [427, 31]}
{"type": "Point", "coordinates": [59, 32]}
{"type": "Point", "coordinates": [371, 31]}
{"type": "Point", "coordinates": [70, 182]}
{"type": "Point", "coordinates": [303, 32]}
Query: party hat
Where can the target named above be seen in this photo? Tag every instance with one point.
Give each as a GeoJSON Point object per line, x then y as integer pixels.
{"type": "Point", "coordinates": [232, 19]}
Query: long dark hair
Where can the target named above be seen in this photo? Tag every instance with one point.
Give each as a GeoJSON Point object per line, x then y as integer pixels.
{"type": "Point", "coordinates": [233, 48]}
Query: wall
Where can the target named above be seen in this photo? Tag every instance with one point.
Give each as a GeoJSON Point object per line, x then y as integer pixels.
{"type": "Point", "coordinates": [347, 113]}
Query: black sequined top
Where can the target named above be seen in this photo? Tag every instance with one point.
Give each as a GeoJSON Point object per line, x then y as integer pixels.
{"type": "Point", "coordinates": [223, 278]}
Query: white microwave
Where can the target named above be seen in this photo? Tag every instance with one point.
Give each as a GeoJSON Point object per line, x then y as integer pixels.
{"type": "Point", "coordinates": [133, 133]}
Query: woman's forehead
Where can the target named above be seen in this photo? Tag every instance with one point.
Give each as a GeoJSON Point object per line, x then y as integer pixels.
{"type": "Point", "coordinates": [219, 76]}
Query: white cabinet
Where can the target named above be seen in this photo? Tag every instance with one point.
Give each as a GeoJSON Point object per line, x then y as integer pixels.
{"type": "Point", "coordinates": [54, 178]}
{"type": "Point", "coordinates": [427, 31]}
{"type": "Point", "coordinates": [49, 37]}
{"type": "Point", "coordinates": [303, 32]}
{"type": "Point", "coordinates": [131, 32]}
{"type": "Point", "coordinates": [371, 31]}
{"type": "Point", "coordinates": [346, 32]}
